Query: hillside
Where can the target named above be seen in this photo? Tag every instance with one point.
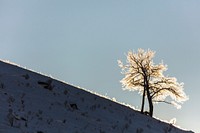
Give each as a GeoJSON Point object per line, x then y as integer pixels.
{"type": "Point", "coordinates": [34, 103]}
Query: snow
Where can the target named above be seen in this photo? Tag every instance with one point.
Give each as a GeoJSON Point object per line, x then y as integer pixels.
{"type": "Point", "coordinates": [34, 103]}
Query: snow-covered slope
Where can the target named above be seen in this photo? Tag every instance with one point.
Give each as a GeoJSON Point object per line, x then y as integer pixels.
{"type": "Point", "coordinates": [34, 103]}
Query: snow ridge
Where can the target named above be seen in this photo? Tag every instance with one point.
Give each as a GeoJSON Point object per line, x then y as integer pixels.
{"type": "Point", "coordinates": [34, 103]}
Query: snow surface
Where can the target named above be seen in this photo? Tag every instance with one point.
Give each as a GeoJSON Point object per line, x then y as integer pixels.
{"type": "Point", "coordinates": [34, 103]}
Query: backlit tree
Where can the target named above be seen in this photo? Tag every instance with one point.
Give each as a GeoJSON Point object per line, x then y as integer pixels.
{"type": "Point", "coordinates": [141, 74]}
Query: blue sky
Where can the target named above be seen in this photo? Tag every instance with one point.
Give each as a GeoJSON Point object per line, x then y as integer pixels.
{"type": "Point", "coordinates": [80, 42]}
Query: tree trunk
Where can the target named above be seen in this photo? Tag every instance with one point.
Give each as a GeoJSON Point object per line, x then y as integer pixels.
{"type": "Point", "coordinates": [151, 108]}
{"type": "Point", "coordinates": [149, 98]}
{"type": "Point", "coordinates": [143, 100]}
{"type": "Point", "coordinates": [150, 104]}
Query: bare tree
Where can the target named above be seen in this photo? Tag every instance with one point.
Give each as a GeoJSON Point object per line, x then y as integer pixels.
{"type": "Point", "coordinates": [141, 74]}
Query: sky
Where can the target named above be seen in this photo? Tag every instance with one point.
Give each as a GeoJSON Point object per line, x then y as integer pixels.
{"type": "Point", "coordinates": [80, 42]}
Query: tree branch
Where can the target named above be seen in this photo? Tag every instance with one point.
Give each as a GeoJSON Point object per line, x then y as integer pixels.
{"type": "Point", "coordinates": [162, 101]}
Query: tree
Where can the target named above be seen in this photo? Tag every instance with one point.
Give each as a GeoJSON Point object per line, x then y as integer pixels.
{"type": "Point", "coordinates": [141, 74]}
